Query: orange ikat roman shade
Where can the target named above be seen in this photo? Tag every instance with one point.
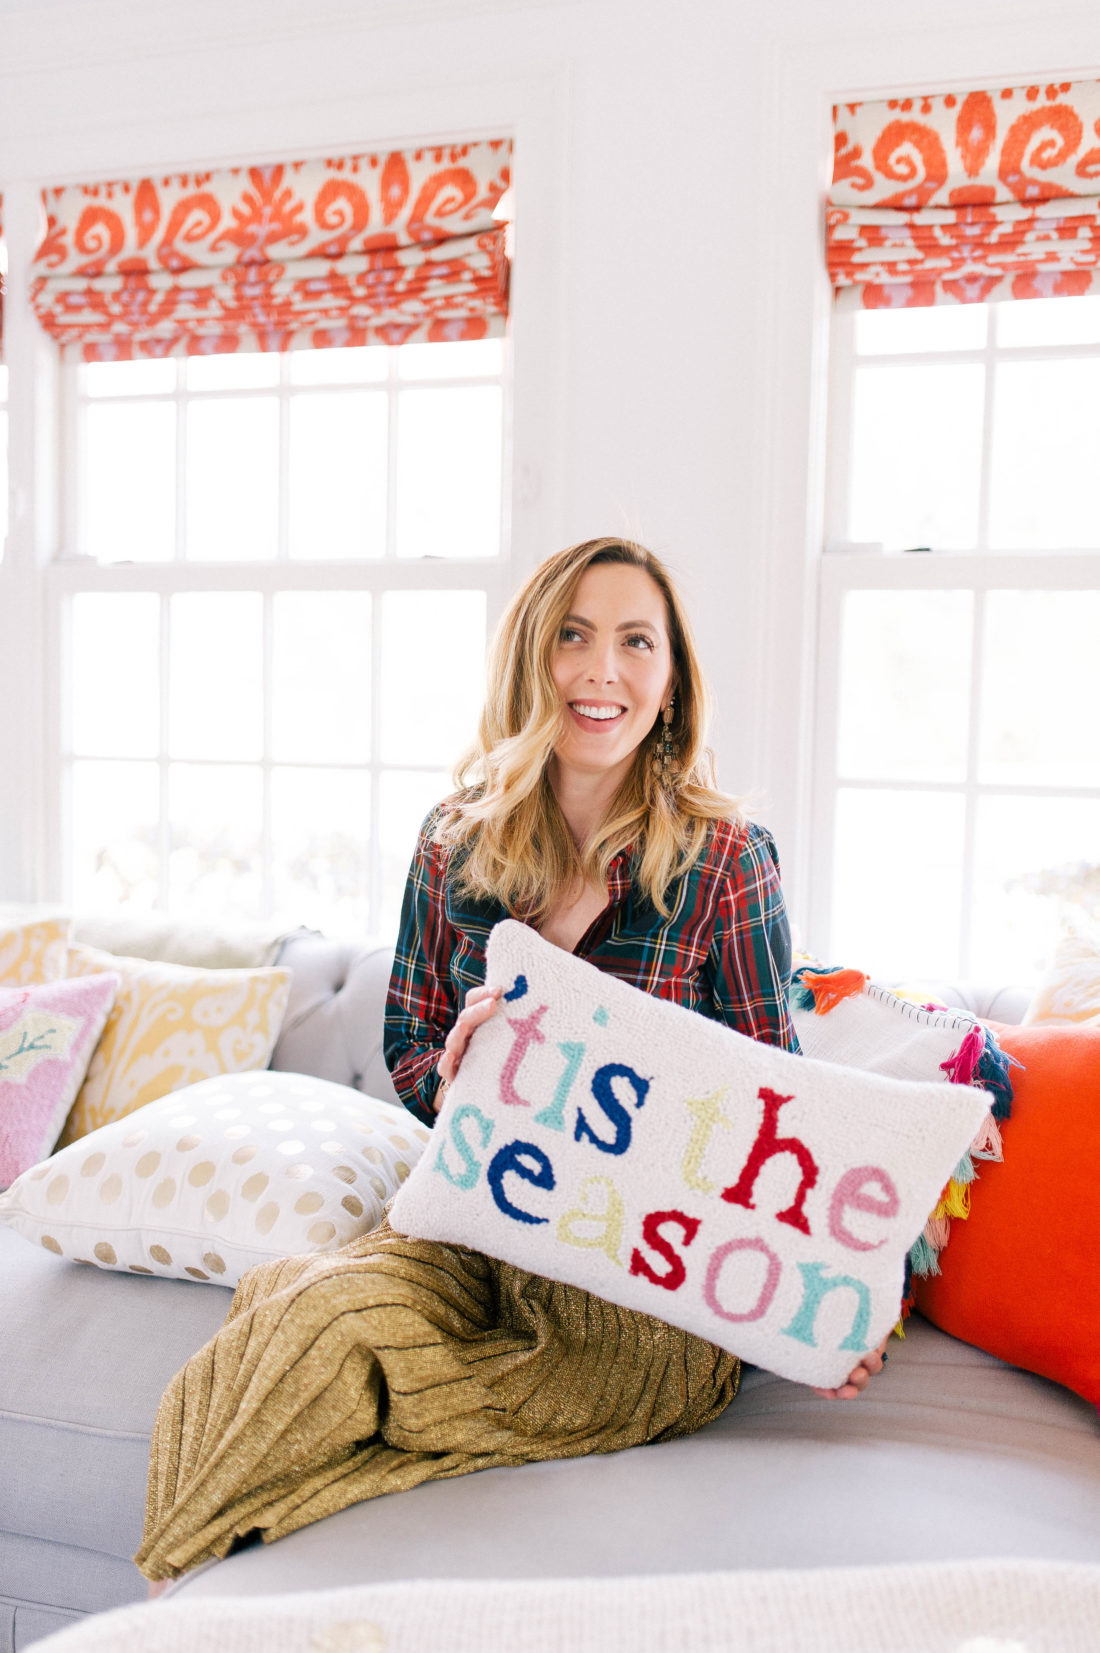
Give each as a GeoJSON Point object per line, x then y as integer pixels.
{"type": "Point", "coordinates": [368, 249]}
{"type": "Point", "coordinates": [965, 197]}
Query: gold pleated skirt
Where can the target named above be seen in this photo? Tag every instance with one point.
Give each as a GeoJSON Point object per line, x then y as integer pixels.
{"type": "Point", "coordinates": [341, 1376]}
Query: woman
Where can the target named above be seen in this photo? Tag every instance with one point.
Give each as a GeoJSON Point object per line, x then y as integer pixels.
{"type": "Point", "coordinates": [590, 812]}
{"type": "Point", "coordinates": [588, 808]}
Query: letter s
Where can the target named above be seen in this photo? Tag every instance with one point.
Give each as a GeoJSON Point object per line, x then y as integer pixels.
{"type": "Point", "coordinates": [604, 1094]}
{"type": "Point", "coordinates": [651, 1233]}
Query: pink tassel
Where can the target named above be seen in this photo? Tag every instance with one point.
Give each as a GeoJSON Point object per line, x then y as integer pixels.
{"type": "Point", "coordinates": [937, 1231]}
{"type": "Point", "coordinates": [960, 1067]}
{"type": "Point", "coordinates": [987, 1144]}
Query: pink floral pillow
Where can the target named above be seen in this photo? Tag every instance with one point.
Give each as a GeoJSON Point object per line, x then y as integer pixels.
{"type": "Point", "coordinates": [47, 1036]}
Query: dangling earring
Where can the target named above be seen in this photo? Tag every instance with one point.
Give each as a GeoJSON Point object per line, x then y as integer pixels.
{"type": "Point", "coordinates": [666, 761]}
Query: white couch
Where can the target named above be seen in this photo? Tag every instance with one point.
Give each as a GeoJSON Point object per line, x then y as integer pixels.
{"type": "Point", "coordinates": [951, 1455]}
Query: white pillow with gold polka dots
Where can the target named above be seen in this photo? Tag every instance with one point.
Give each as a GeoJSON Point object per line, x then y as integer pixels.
{"type": "Point", "coordinates": [207, 1182]}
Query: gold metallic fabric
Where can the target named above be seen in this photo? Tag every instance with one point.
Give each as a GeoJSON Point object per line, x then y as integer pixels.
{"type": "Point", "coordinates": [393, 1361]}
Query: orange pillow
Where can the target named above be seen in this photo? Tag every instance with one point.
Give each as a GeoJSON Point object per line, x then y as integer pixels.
{"type": "Point", "coordinates": [1019, 1279]}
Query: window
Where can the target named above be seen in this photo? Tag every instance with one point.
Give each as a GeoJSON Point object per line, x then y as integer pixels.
{"type": "Point", "coordinates": [273, 626]}
{"type": "Point", "coordinates": [957, 808]}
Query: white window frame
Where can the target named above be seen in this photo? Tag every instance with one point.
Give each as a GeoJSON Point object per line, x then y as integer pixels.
{"type": "Point", "coordinates": [979, 572]}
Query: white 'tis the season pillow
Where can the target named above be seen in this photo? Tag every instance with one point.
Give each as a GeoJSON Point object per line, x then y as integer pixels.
{"type": "Point", "coordinates": [207, 1182]}
{"type": "Point", "coordinates": [760, 1199]}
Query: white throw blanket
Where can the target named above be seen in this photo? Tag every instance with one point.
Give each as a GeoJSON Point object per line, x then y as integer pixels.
{"type": "Point", "coordinates": [605, 1138]}
{"type": "Point", "coordinates": [952, 1607]}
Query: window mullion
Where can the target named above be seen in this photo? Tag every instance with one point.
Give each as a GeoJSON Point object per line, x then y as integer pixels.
{"type": "Point", "coordinates": [181, 404]}
{"type": "Point", "coordinates": [392, 392]}
{"type": "Point", "coordinates": [989, 357]}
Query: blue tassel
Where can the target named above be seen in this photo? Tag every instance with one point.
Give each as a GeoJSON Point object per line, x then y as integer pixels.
{"type": "Point", "coordinates": [801, 997]}
{"type": "Point", "coordinates": [922, 1259]}
{"type": "Point", "coordinates": [964, 1170]}
{"type": "Point", "coordinates": [992, 1074]}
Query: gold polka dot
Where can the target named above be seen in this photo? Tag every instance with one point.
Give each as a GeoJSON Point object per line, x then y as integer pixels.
{"type": "Point", "coordinates": [51, 1244]}
{"type": "Point", "coordinates": [217, 1206]}
{"type": "Point", "coordinates": [352, 1205]}
{"type": "Point", "coordinates": [321, 1233]}
{"type": "Point", "coordinates": [306, 1206]}
{"type": "Point", "coordinates": [134, 1138]}
{"type": "Point", "coordinates": [372, 1154]}
{"type": "Point", "coordinates": [421, 1134]}
{"type": "Point", "coordinates": [106, 1253]}
{"type": "Point", "coordinates": [399, 1141]}
{"type": "Point", "coordinates": [233, 1133]}
{"type": "Point", "coordinates": [241, 1156]}
{"type": "Point", "coordinates": [344, 1172]}
{"type": "Point", "coordinates": [379, 1187]}
{"type": "Point", "coordinates": [186, 1143]}
{"type": "Point", "coordinates": [200, 1174]}
{"type": "Point", "coordinates": [299, 1173]}
{"type": "Point", "coordinates": [147, 1164]}
{"type": "Point", "coordinates": [267, 1217]}
{"type": "Point", "coordinates": [164, 1193]}
{"type": "Point", "coordinates": [110, 1188]}
{"type": "Point", "coordinates": [93, 1164]}
{"type": "Point", "coordinates": [401, 1170]}
{"type": "Point", "coordinates": [214, 1263]}
{"type": "Point", "coordinates": [255, 1186]}
{"type": "Point", "coordinates": [57, 1190]}
{"type": "Point", "coordinates": [333, 1148]}
{"type": "Point", "coordinates": [159, 1255]}
{"type": "Point", "coordinates": [87, 1260]}
{"type": "Point", "coordinates": [196, 1274]}
{"type": "Point", "coordinates": [136, 1268]}
{"type": "Point", "coordinates": [44, 1171]}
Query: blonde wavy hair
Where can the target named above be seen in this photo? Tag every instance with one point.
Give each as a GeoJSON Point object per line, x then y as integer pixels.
{"type": "Point", "coordinates": [504, 821]}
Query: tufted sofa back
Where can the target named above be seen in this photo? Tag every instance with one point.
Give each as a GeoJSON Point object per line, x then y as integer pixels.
{"type": "Point", "coordinates": [333, 1022]}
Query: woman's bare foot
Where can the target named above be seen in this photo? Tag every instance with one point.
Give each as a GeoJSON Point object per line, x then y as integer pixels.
{"type": "Point", "coordinates": [859, 1377]}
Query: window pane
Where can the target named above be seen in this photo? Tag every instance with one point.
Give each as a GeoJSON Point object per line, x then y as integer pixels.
{"type": "Point", "coordinates": [3, 383]}
{"type": "Point", "coordinates": [897, 883]}
{"type": "Point", "coordinates": [251, 370]}
{"type": "Point", "coordinates": [321, 677]}
{"type": "Point", "coordinates": [140, 378]}
{"type": "Point", "coordinates": [215, 818]}
{"type": "Point", "coordinates": [916, 455]}
{"type": "Point", "coordinates": [115, 840]}
{"type": "Point", "coordinates": [128, 495]}
{"type": "Point", "coordinates": [338, 469]}
{"type": "Point", "coordinates": [432, 674]}
{"type": "Point", "coordinates": [449, 472]}
{"type": "Point", "coordinates": [216, 675]}
{"type": "Point", "coordinates": [1046, 436]}
{"type": "Point", "coordinates": [1041, 689]}
{"type": "Point", "coordinates": [233, 479]}
{"type": "Point", "coordinates": [404, 800]}
{"type": "Point", "coordinates": [929, 327]}
{"type": "Point", "coordinates": [905, 684]}
{"type": "Point", "coordinates": [1032, 857]}
{"type": "Point", "coordinates": [1049, 321]}
{"type": "Point", "coordinates": [465, 359]}
{"type": "Point", "coordinates": [366, 364]}
{"type": "Point", "coordinates": [321, 849]}
{"type": "Point", "coordinates": [115, 684]}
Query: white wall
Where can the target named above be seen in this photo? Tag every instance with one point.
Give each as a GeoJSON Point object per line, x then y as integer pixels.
{"type": "Point", "coordinates": [670, 310]}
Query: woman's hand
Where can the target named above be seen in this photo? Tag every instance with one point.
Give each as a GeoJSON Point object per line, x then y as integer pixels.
{"type": "Point", "coordinates": [859, 1377]}
{"type": "Point", "coordinates": [479, 1006]}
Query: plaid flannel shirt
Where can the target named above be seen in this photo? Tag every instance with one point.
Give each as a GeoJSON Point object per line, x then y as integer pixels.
{"type": "Point", "coordinates": [724, 950]}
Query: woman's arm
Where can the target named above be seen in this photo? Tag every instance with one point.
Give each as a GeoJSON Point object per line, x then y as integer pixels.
{"type": "Point", "coordinates": [749, 962]}
{"type": "Point", "coordinates": [421, 1004]}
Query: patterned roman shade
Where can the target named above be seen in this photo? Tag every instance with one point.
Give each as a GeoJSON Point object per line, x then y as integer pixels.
{"type": "Point", "coordinates": [382, 248]}
{"type": "Point", "coordinates": [966, 196]}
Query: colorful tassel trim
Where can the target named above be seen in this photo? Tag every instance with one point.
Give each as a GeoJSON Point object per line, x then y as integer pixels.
{"type": "Point", "coordinates": [979, 1061]}
{"type": "Point", "coordinates": [823, 990]}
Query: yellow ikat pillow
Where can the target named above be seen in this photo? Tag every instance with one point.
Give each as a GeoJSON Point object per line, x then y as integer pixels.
{"type": "Point", "coordinates": [1070, 988]}
{"type": "Point", "coordinates": [172, 1026]}
{"type": "Point", "coordinates": [33, 950]}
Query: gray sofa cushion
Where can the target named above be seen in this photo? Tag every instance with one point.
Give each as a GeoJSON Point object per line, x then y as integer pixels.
{"type": "Point", "coordinates": [86, 1355]}
{"type": "Point", "coordinates": [951, 1455]}
{"type": "Point", "coordinates": [333, 1022]}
